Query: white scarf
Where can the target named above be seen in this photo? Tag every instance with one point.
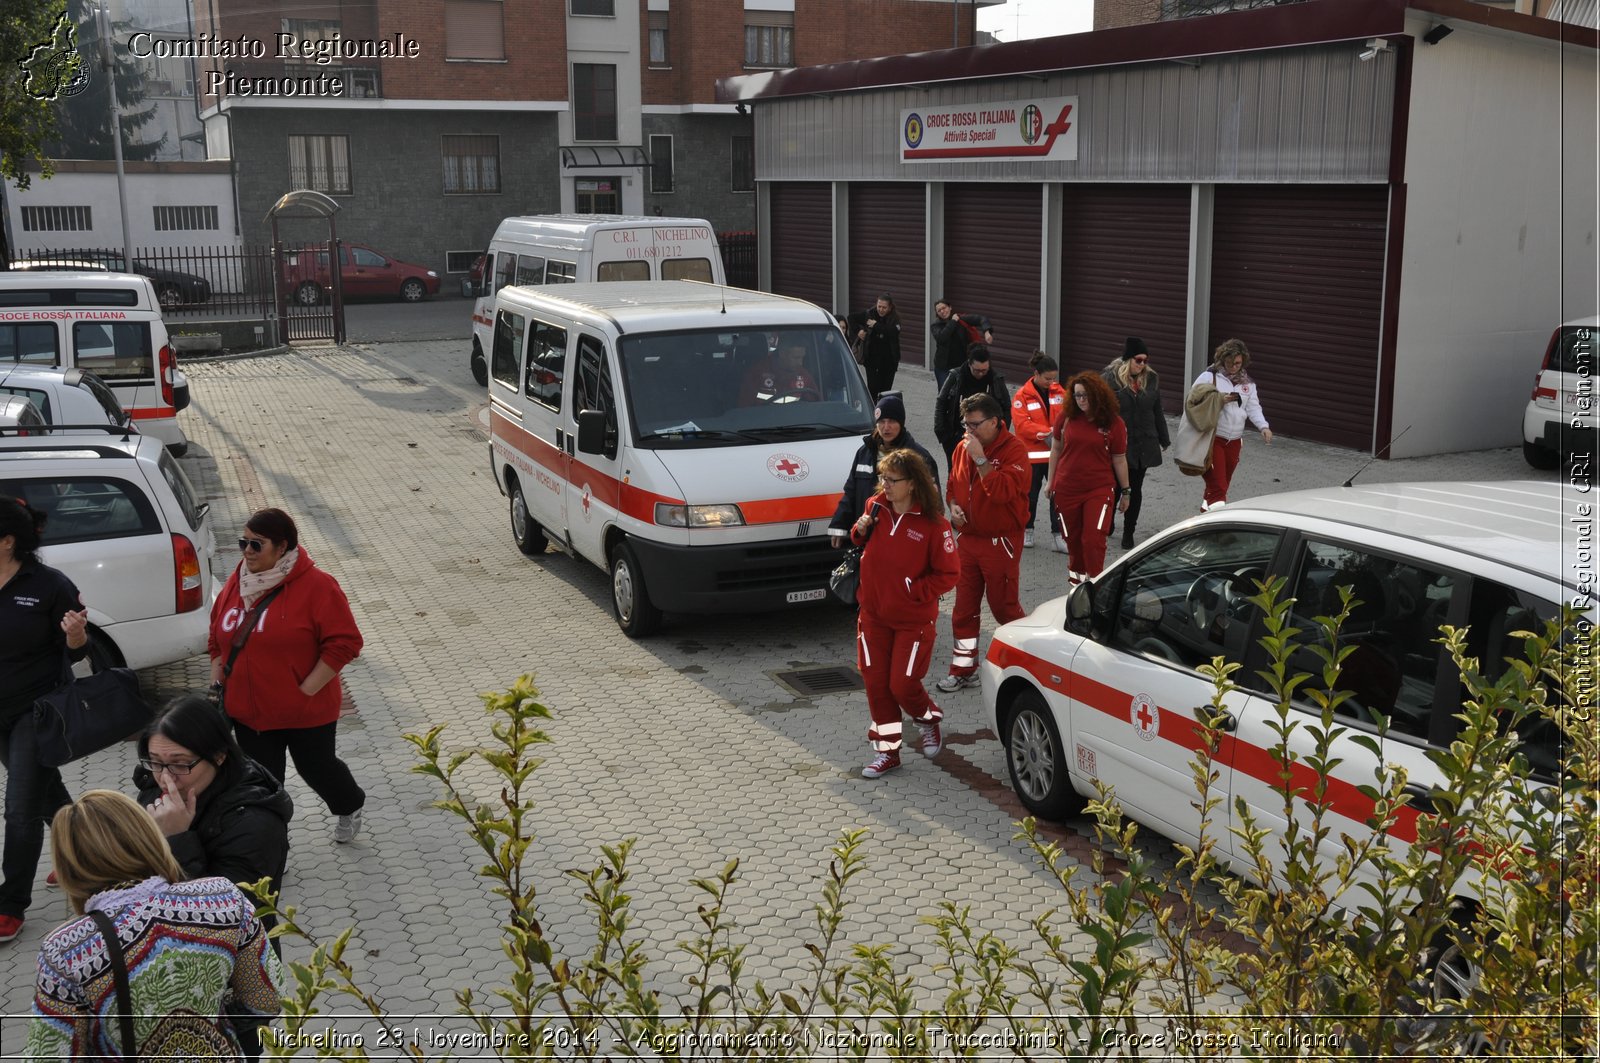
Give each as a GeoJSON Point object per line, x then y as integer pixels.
{"type": "Point", "coordinates": [125, 896]}
{"type": "Point", "coordinates": [252, 585]}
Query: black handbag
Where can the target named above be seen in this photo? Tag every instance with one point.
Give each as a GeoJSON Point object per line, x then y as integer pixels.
{"type": "Point", "coordinates": [845, 580]}
{"type": "Point", "coordinates": [84, 716]}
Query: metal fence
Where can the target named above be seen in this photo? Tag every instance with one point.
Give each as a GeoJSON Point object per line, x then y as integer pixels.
{"type": "Point", "coordinates": [196, 282]}
{"type": "Point", "coordinates": [739, 258]}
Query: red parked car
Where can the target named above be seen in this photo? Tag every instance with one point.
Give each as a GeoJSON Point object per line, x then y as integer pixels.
{"type": "Point", "coordinates": [365, 273]}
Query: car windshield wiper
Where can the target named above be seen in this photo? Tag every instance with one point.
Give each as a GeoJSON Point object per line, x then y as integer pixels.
{"type": "Point", "coordinates": [696, 433]}
{"type": "Point", "coordinates": [805, 429]}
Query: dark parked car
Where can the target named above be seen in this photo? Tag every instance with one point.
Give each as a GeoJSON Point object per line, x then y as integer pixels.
{"type": "Point", "coordinates": [363, 272]}
{"type": "Point", "coordinates": [173, 287]}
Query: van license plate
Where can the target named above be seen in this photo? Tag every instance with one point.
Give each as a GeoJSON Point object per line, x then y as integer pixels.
{"type": "Point", "coordinates": [808, 596]}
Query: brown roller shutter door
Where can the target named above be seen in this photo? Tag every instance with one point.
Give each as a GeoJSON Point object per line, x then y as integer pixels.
{"type": "Point", "coordinates": [991, 265]}
{"type": "Point", "coordinates": [1125, 272]}
{"type": "Point", "coordinates": [1297, 274]}
{"type": "Point", "coordinates": [802, 241]}
{"type": "Point", "coordinates": [887, 227]}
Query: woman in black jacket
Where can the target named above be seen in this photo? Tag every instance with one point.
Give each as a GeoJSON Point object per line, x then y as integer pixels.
{"type": "Point", "coordinates": [876, 333]}
{"type": "Point", "coordinates": [1138, 392]}
{"type": "Point", "coordinates": [862, 483]}
{"type": "Point", "coordinates": [953, 333]}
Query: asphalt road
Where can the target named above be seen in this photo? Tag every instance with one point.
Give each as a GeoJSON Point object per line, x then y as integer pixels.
{"type": "Point", "coordinates": [444, 317]}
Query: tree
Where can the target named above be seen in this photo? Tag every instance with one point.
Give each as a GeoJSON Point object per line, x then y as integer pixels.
{"type": "Point", "coordinates": [84, 119]}
{"type": "Point", "coordinates": [34, 44]}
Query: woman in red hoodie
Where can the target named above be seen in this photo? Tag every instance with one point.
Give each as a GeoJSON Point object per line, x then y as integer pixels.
{"type": "Point", "coordinates": [909, 561]}
{"type": "Point", "coordinates": [280, 632]}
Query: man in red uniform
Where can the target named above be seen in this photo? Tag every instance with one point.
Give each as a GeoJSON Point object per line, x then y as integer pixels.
{"type": "Point", "coordinates": [988, 496]}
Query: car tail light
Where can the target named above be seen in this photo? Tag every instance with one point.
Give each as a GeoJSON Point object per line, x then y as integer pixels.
{"type": "Point", "coordinates": [1543, 394]}
{"type": "Point", "coordinates": [167, 373]}
{"type": "Point", "coordinates": [191, 592]}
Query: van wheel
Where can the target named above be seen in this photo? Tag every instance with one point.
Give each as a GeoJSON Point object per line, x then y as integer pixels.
{"type": "Point", "coordinates": [1036, 759]}
{"type": "Point", "coordinates": [524, 529]}
{"type": "Point", "coordinates": [480, 365]}
{"type": "Point", "coordinates": [308, 294]}
{"type": "Point", "coordinates": [1539, 457]}
{"type": "Point", "coordinates": [103, 652]}
{"type": "Point", "coordinates": [637, 616]}
{"type": "Point", "coordinates": [413, 290]}
{"type": "Point", "coordinates": [170, 297]}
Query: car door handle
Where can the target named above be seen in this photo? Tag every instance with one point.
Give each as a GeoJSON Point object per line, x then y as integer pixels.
{"type": "Point", "coordinates": [1225, 720]}
{"type": "Point", "coordinates": [1421, 797]}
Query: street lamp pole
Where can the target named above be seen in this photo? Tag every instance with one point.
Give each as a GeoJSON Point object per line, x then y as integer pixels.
{"type": "Point", "coordinates": [108, 66]}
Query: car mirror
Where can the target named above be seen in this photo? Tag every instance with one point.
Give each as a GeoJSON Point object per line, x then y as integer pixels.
{"type": "Point", "coordinates": [1080, 607]}
{"type": "Point", "coordinates": [592, 431]}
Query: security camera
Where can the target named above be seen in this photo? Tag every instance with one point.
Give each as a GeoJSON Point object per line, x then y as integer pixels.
{"type": "Point", "coordinates": [1374, 46]}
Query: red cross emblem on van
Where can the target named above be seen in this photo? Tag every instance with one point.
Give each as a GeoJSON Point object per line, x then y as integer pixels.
{"type": "Point", "coordinates": [790, 468]}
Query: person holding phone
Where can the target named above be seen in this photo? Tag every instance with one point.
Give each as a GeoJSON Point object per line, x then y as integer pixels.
{"type": "Point", "coordinates": [1241, 403]}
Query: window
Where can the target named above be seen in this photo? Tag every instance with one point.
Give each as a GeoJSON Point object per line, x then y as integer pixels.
{"type": "Point", "coordinates": [530, 269]}
{"type": "Point", "coordinates": [115, 350]}
{"type": "Point", "coordinates": [471, 165]}
{"type": "Point", "coordinates": [505, 271]}
{"type": "Point", "coordinates": [360, 256]}
{"type": "Point", "coordinates": [56, 219]}
{"type": "Point", "coordinates": [82, 510]}
{"type": "Point", "coordinates": [1186, 602]}
{"type": "Point", "coordinates": [659, 55]}
{"type": "Point", "coordinates": [472, 30]}
{"type": "Point", "coordinates": [460, 261]}
{"type": "Point", "coordinates": [594, 391]}
{"type": "Point", "coordinates": [29, 344]}
{"type": "Point", "coordinates": [744, 164]}
{"type": "Point", "coordinates": [175, 218]}
{"type": "Point", "coordinates": [560, 272]}
{"type": "Point", "coordinates": [40, 399]}
{"type": "Point", "coordinates": [594, 7]}
{"type": "Point", "coordinates": [686, 269]}
{"type": "Point", "coordinates": [769, 38]}
{"type": "Point", "coordinates": [1395, 613]}
{"type": "Point", "coordinates": [594, 101]}
{"type": "Point", "coordinates": [320, 163]}
{"type": "Point", "coordinates": [1495, 636]}
{"type": "Point", "coordinates": [508, 330]}
{"type": "Point", "coordinates": [308, 55]}
{"type": "Point", "coordinates": [623, 271]}
{"type": "Point", "coordinates": [660, 163]}
{"type": "Point", "coordinates": [547, 360]}
{"type": "Point", "coordinates": [182, 491]}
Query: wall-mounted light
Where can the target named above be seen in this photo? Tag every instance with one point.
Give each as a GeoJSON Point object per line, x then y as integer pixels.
{"type": "Point", "coordinates": [1374, 46]}
{"type": "Point", "coordinates": [1437, 34]}
{"type": "Point", "coordinates": [742, 108]}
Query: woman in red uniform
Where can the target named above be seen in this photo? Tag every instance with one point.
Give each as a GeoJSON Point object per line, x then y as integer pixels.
{"type": "Point", "coordinates": [1088, 472]}
{"type": "Point", "coordinates": [908, 563]}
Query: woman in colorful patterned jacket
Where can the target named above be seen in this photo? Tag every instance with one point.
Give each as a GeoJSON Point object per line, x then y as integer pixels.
{"type": "Point", "coordinates": [195, 958]}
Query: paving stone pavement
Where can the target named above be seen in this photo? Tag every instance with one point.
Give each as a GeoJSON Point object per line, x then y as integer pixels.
{"type": "Point", "coordinates": [684, 741]}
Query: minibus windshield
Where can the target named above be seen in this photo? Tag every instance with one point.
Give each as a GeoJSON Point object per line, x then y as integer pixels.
{"type": "Point", "coordinates": [723, 388]}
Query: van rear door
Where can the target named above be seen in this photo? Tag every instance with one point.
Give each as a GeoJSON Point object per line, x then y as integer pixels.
{"type": "Point", "coordinates": [657, 252]}
{"type": "Point", "coordinates": [124, 355]}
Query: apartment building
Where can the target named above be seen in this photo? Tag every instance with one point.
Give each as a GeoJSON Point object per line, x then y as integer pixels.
{"type": "Point", "coordinates": [428, 122]}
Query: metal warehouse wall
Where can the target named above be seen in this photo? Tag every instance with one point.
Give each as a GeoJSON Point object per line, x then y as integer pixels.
{"type": "Point", "coordinates": [1299, 115]}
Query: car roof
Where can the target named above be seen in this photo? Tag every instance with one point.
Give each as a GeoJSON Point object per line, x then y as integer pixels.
{"type": "Point", "coordinates": [117, 442]}
{"type": "Point", "coordinates": [69, 376]}
{"type": "Point", "coordinates": [1522, 523]}
{"type": "Point", "coordinates": [677, 304]}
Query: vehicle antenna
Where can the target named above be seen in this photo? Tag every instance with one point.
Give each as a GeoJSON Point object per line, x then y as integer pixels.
{"type": "Point", "coordinates": [724, 290]}
{"type": "Point", "coordinates": [1376, 456]}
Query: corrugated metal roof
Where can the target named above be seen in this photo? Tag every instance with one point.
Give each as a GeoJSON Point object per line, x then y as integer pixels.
{"type": "Point", "coordinates": [1577, 12]}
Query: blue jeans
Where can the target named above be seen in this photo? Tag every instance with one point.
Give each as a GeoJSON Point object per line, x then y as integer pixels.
{"type": "Point", "coordinates": [33, 795]}
{"type": "Point", "coordinates": [938, 378]}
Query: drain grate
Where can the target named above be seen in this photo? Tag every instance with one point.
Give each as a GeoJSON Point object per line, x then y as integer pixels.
{"type": "Point", "coordinates": [820, 682]}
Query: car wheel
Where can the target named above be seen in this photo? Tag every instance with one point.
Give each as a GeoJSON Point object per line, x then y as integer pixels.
{"type": "Point", "coordinates": [103, 652]}
{"type": "Point", "coordinates": [308, 294]}
{"type": "Point", "coordinates": [637, 616]}
{"type": "Point", "coordinates": [171, 298]}
{"type": "Point", "coordinates": [413, 290]}
{"type": "Point", "coordinates": [525, 530]}
{"type": "Point", "coordinates": [1540, 457]}
{"type": "Point", "coordinates": [1036, 759]}
{"type": "Point", "coordinates": [480, 365]}
{"type": "Point", "coordinates": [1453, 976]}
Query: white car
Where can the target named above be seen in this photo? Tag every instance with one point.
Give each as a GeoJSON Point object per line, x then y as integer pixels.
{"type": "Point", "coordinates": [64, 396]}
{"type": "Point", "coordinates": [124, 523]}
{"type": "Point", "coordinates": [1104, 684]}
{"type": "Point", "coordinates": [1560, 416]}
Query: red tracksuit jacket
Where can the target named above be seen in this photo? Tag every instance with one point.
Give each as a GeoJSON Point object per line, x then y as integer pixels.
{"type": "Point", "coordinates": [908, 563]}
{"type": "Point", "coordinates": [997, 504]}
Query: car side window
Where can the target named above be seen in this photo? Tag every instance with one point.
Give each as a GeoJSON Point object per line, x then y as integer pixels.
{"type": "Point", "coordinates": [40, 399]}
{"type": "Point", "coordinates": [505, 270]}
{"type": "Point", "coordinates": [29, 344]}
{"type": "Point", "coordinates": [83, 509]}
{"type": "Point", "coordinates": [503, 362]}
{"type": "Point", "coordinates": [557, 272]}
{"type": "Point", "coordinates": [547, 363]}
{"type": "Point", "coordinates": [1498, 625]}
{"type": "Point", "coordinates": [594, 383]}
{"type": "Point", "coordinates": [362, 257]}
{"type": "Point", "coordinates": [1185, 601]}
{"type": "Point", "coordinates": [530, 269]}
{"type": "Point", "coordinates": [1394, 667]}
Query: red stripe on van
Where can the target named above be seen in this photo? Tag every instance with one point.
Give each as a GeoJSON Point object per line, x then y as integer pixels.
{"type": "Point", "coordinates": [1243, 757]}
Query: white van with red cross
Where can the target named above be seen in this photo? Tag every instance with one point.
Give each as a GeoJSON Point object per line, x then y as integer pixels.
{"type": "Point", "coordinates": [691, 439]}
{"type": "Point", "coordinates": [109, 323]}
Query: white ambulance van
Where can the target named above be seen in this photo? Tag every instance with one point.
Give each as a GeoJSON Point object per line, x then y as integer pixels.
{"type": "Point", "coordinates": [691, 439]}
{"type": "Point", "coordinates": [108, 323]}
{"type": "Point", "coordinates": [579, 248]}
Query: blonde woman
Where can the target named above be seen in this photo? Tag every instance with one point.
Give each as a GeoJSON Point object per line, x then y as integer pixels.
{"type": "Point", "coordinates": [1241, 402]}
{"type": "Point", "coordinates": [196, 958]}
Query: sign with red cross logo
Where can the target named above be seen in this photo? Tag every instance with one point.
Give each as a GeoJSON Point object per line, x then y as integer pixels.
{"type": "Point", "coordinates": [1145, 716]}
{"type": "Point", "coordinates": [790, 468]}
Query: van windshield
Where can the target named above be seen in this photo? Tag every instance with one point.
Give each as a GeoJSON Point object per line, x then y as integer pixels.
{"type": "Point", "coordinates": [730, 388]}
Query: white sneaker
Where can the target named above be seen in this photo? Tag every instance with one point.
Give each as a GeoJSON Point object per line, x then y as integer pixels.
{"type": "Point", "coordinates": [1219, 503]}
{"type": "Point", "coordinates": [1027, 537]}
{"type": "Point", "coordinates": [345, 828]}
{"type": "Point", "coordinates": [1058, 544]}
{"type": "Point", "coordinates": [952, 683]}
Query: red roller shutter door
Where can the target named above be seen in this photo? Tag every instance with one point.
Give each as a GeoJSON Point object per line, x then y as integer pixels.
{"type": "Point", "coordinates": [887, 228]}
{"type": "Point", "coordinates": [1297, 274]}
{"type": "Point", "coordinates": [992, 235]}
{"type": "Point", "coordinates": [802, 241]}
{"type": "Point", "coordinates": [1125, 272]}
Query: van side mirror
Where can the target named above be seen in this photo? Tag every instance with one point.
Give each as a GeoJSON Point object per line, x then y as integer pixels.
{"type": "Point", "coordinates": [1080, 608]}
{"type": "Point", "coordinates": [592, 434]}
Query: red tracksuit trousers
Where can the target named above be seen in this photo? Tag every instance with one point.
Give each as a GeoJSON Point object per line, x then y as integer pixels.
{"type": "Point", "coordinates": [1224, 459]}
{"type": "Point", "coordinates": [893, 663]}
{"type": "Point", "coordinates": [1086, 521]}
{"type": "Point", "coordinates": [992, 565]}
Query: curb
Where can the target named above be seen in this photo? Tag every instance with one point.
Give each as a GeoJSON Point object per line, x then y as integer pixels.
{"type": "Point", "coordinates": [265, 352]}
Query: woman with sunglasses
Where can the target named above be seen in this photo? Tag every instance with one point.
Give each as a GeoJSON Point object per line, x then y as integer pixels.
{"type": "Point", "coordinates": [1138, 391]}
{"type": "Point", "coordinates": [286, 627]}
{"type": "Point", "coordinates": [1088, 472]}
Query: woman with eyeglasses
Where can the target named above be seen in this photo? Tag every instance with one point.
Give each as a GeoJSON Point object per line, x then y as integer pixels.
{"type": "Point", "coordinates": [281, 631]}
{"type": "Point", "coordinates": [1138, 391]}
{"type": "Point", "coordinates": [1088, 472]}
{"type": "Point", "coordinates": [1241, 401]}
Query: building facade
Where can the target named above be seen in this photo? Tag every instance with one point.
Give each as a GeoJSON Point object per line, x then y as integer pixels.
{"type": "Point", "coordinates": [1391, 204]}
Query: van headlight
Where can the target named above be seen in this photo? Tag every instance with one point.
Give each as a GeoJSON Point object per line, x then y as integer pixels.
{"type": "Point", "coordinates": [724, 516]}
